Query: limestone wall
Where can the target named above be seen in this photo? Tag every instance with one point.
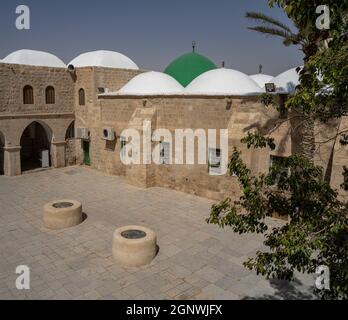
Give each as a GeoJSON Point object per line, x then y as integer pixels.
{"type": "Point", "coordinates": [90, 79]}
{"type": "Point", "coordinates": [237, 114]}
{"type": "Point", "coordinates": [14, 77]}
{"type": "Point", "coordinates": [70, 152]}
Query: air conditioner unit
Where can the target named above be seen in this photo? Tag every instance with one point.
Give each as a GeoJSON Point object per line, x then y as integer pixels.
{"type": "Point", "coordinates": [270, 87]}
{"type": "Point", "coordinates": [109, 134]}
{"type": "Point", "coordinates": [82, 133]}
{"type": "Point", "coordinates": [102, 90]}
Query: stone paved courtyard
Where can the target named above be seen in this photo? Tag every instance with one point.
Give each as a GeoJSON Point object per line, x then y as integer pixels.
{"type": "Point", "coordinates": [195, 260]}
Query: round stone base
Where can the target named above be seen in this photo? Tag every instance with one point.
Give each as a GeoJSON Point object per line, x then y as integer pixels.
{"type": "Point", "coordinates": [61, 214]}
{"type": "Point", "coordinates": [134, 246]}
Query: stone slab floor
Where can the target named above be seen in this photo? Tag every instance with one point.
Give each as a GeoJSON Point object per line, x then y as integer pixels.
{"type": "Point", "coordinates": [195, 261]}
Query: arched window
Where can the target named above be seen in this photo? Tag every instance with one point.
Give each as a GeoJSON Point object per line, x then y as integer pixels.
{"type": "Point", "coordinates": [50, 95]}
{"type": "Point", "coordinates": [28, 95]}
{"type": "Point", "coordinates": [82, 99]}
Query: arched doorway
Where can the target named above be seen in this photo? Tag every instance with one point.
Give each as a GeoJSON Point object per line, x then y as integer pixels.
{"type": "Point", "coordinates": [36, 147]}
{"type": "Point", "coordinates": [70, 149]}
{"type": "Point", "coordinates": [2, 145]}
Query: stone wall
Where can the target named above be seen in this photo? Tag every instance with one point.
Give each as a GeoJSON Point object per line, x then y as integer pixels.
{"type": "Point", "coordinates": [14, 77]}
{"type": "Point", "coordinates": [15, 116]}
{"type": "Point", "coordinates": [237, 114]}
{"type": "Point", "coordinates": [90, 79]}
{"type": "Point", "coordinates": [70, 152]}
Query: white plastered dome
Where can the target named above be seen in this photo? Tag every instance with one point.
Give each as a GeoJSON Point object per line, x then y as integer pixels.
{"type": "Point", "coordinates": [34, 58]}
{"type": "Point", "coordinates": [152, 83]}
{"type": "Point", "coordinates": [103, 58]}
{"type": "Point", "coordinates": [223, 81]}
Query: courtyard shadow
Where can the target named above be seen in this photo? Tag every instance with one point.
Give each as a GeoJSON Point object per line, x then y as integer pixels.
{"type": "Point", "coordinates": [84, 217]}
{"type": "Point", "coordinates": [285, 290]}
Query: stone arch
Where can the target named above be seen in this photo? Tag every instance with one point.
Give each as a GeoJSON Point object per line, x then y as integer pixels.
{"type": "Point", "coordinates": [35, 142]}
{"type": "Point", "coordinates": [2, 152]}
{"type": "Point", "coordinates": [70, 147]}
{"type": "Point", "coordinates": [70, 131]}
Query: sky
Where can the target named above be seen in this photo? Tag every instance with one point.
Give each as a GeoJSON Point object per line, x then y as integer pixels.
{"type": "Point", "coordinates": [151, 32]}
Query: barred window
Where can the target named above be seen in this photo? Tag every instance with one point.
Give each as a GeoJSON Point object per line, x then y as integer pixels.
{"type": "Point", "coordinates": [214, 164]}
{"type": "Point", "coordinates": [50, 95]}
{"type": "Point", "coordinates": [123, 147]}
{"type": "Point", "coordinates": [82, 100]}
{"type": "Point", "coordinates": [279, 161]}
{"type": "Point", "coordinates": [165, 153]}
{"type": "Point", "coordinates": [28, 95]}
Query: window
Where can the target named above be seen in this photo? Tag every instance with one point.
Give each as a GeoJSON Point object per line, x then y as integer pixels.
{"type": "Point", "coordinates": [165, 153]}
{"type": "Point", "coordinates": [50, 95]}
{"type": "Point", "coordinates": [278, 161]}
{"type": "Point", "coordinates": [283, 112]}
{"type": "Point", "coordinates": [123, 147]}
{"type": "Point", "coordinates": [28, 95]}
{"type": "Point", "coordinates": [82, 99]}
{"type": "Point", "coordinates": [214, 163]}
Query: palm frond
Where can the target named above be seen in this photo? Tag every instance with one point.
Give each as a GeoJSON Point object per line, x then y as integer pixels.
{"type": "Point", "coordinates": [267, 20]}
{"type": "Point", "coordinates": [272, 32]}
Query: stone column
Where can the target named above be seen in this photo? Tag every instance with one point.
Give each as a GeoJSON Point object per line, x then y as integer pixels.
{"type": "Point", "coordinates": [12, 161]}
{"type": "Point", "coordinates": [58, 154]}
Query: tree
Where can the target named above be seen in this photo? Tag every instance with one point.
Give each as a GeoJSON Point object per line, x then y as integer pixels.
{"type": "Point", "coordinates": [317, 231]}
{"type": "Point", "coordinates": [321, 67]}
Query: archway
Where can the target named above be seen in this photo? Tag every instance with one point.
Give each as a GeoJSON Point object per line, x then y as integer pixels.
{"type": "Point", "coordinates": [36, 147]}
{"type": "Point", "coordinates": [70, 148]}
{"type": "Point", "coordinates": [2, 145]}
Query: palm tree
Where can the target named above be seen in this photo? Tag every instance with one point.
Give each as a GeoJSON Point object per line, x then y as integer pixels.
{"type": "Point", "coordinates": [309, 46]}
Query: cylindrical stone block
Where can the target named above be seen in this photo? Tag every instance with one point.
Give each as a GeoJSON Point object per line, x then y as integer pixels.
{"type": "Point", "coordinates": [134, 246]}
{"type": "Point", "coordinates": [61, 214]}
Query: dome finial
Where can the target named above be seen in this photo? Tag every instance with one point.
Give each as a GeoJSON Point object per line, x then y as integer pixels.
{"type": "Point", "coordinates": [193, 46]}
{"type": "Point", "coordinates": [260, 68]}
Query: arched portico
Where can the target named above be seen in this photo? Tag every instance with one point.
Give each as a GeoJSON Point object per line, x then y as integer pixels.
{"type": "Point", "coordinates": [27, 138]}
{"type": "Point", "coordinates": [36, 146]}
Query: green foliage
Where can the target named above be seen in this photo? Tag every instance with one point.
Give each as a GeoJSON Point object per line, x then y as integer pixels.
{"type": "Point", "coordinates": [267, 100]}
{"type": "Point", "coordinates": [344, 140]}
{"type": "Point", "coordinates": [317, 229]}
{"type": "Point", "coordinates": [318, 223]}
{"type": "Point", "coordinates": [257, 141]}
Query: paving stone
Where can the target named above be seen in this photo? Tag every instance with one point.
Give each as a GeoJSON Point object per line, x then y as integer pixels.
{"type": "Point", "coordinates": [195, 261]}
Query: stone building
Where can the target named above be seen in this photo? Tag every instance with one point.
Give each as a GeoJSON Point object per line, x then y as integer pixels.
{"type": "Point", "coordinates": [78, 113]}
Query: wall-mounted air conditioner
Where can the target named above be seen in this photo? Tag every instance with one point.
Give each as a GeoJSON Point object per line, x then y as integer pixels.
{"type": "Point", "coordinates": [102, 90]}
{"type": "Point", "coordinates": [108, 134]}
{"type": "Point", "coordinates": [82, 133]}
{"type": "Point", "coordinates": [270, 87]}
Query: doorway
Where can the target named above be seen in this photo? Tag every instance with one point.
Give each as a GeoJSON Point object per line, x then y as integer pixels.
{"type": "Point", "coordinates": [36, 146]}
{"type": "Point", "coordinates": [86, 157]}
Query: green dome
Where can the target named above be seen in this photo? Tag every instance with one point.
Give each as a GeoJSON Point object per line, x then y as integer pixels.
{"type": "Point", "coordinates": [188, 67]}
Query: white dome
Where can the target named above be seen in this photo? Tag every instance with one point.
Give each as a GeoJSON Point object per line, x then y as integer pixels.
{"type": "Point", "coordinates": [261, 79]}
{"type": "Point", "coordinates": [287, 81]}
{"type": "Point", "coordinates": [103, 58]}
{"type": "Point", "coordinates": [34, 58]}
{"type": "Point", "coordinates": [152, 83]}
{"type": "Point", "coordinates": [223, 81]}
